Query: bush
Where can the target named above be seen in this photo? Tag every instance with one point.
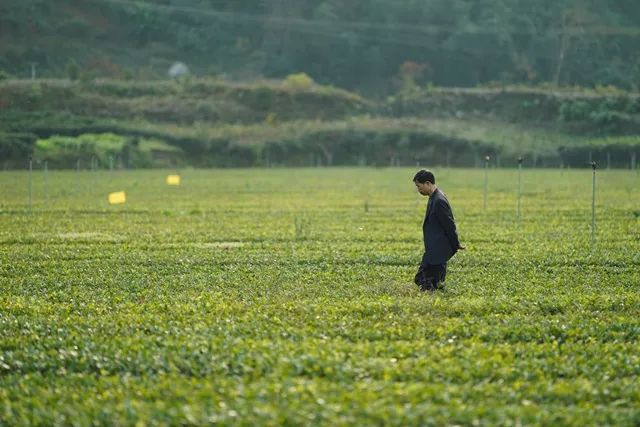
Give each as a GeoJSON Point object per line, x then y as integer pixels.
{"type": "Point", "coordinates": [72, 69]}
{"type": "Point", "coordinates": [16, 145]}
{"type": "Point", "coordinates": [298, 81]}
{"type": "Point", "coordinates": [74, 27]}
{"type": "Point", "coordinates": [574, 111]}
{"type": "Point", "coordinates": [65, 150]}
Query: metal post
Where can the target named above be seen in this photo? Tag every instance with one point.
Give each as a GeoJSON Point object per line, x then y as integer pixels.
{"type": "Point", "coordinates": [46, 181]}
{"type": "Point", "coordinates": [94, 170]}
{"type": "Point", "coordinates": [486, 179]}
{"type": "Point", "coordinates": [77, 183]}
{"type": "Point", "coordinates": [519, 190]}
{"type": "Point", "coordinates": [33, 71]}
{"type": "Point", "coordinates": [593, 208]}
{"type": "Point", "coordinates": [30, 185]}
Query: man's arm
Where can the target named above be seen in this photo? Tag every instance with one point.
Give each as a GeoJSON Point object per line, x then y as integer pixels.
{"type": "Point", "coordinates": [445, 218]}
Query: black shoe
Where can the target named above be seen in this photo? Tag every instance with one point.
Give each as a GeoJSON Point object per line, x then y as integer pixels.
{"type": "Point", "coordinates": [419, 279]}
{"type": "Point", "coordinates": [427, 286]}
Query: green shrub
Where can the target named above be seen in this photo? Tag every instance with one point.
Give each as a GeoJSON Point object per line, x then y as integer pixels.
{"type": "Point", "coordinates": [72, 69]}
{"type": "Point", "coordinates": [298, 81]}
{"type": "Point", "coordinates": [574, 111]}
{"type": "Point", "coordinates": [16, 145]}
{"type": "Point", "coordinates": [74, 27]}
{"type": "Point", "coordinates": [63, 149]}
{"type": "Point", "coordinates": [138, 152]}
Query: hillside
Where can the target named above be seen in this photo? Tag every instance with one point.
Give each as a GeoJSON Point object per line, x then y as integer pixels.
{"type": "Point", "coordinates": [269, 123]}
{"type": "Point", "coordinates": [373, 48]}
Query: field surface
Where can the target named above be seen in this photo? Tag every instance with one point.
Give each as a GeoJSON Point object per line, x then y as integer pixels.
{"type": "Point", "coordinates": [285, 297]}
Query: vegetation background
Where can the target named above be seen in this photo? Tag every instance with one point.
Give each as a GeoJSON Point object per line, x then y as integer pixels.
{"type": "Point", "coordinates": [438, 82]}
{"type": "Point", "coordinates": [283, 296]}
{"type": "Point", "coordinates": [369, 47]}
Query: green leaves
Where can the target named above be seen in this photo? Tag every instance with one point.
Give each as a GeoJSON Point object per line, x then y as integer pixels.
{"type": "Point", "coordinates": [278, 300]}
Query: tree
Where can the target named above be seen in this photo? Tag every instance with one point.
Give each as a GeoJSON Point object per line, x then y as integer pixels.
{"type": "Point", "coordinates": [72, 69]}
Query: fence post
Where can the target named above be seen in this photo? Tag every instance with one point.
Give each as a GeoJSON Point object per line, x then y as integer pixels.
{"type": "Point", "coordinates": [77, 182]}
{"type": "Point", "coordinates": [46, 181]}
{"type": "Point", "coordinates": [519, 190]}
{"type": "Point", "coordinates": [30, 184]}
{"type": "Point", "coordinates": [593, 207]}
{"type": "Point", "coordinates": [486, 179]}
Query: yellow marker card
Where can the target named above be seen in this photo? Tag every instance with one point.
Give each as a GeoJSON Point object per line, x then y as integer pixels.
{"type": "Point", "coordinates": [173, 179]}
{"type": "Point", "coordinates": [117, 198]}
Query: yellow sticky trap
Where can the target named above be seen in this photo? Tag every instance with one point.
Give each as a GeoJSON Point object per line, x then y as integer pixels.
{"type": "Point", "coordinates": [117, 198]}
{"type": "Point", "coordinates": [173, 179]}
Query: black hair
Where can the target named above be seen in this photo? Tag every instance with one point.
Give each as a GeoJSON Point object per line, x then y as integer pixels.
{"type": "Point", "coordinates": [423, 176]}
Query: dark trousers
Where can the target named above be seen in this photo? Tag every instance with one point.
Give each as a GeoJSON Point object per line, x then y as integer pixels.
{"type": "Point", "coordinates": [429, 276]}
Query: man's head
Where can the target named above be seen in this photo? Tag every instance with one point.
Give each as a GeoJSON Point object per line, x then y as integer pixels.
{"type": "Point", "coordinates": [425, 182]}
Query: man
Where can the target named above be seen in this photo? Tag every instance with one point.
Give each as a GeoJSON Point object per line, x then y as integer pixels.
{"type": "Point", "coordinates": [439, 231]}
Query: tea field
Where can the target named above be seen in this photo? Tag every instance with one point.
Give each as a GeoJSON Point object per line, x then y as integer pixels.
{"type": "Point", "coordinates": [285, 297]}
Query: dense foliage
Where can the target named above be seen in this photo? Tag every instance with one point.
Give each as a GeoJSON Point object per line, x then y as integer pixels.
{"type": "Point", "coordinates": [296, 122]}
{"type": "Point", "coordinates": [375, 47]}
{"type": "Point", "coordinates": [284, 297]}
{"type": "Point", "coordinates": [106, 149]}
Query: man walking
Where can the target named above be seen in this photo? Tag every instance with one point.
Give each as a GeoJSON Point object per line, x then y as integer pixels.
{"type": "Point", "coordinates": [439, 231]}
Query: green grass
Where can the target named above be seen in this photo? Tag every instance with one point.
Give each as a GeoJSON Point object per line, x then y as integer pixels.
{"type": "Point", "coordinates": [270, 297]}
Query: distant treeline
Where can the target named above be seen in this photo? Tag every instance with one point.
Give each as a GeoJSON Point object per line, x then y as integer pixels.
{"type": "Point", "coordinates": [373, 47]}
{"type": "Point", "coordinates": [332, 148]}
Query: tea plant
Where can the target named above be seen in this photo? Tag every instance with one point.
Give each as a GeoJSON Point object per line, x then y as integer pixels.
{"type": "Point", "coordinates": [271, 297]}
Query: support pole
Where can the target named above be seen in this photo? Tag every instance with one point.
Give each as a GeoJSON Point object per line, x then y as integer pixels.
{"type": "Point", "coordinates": [519, 191]}
{"type": "Point", "coordinates": [46, 181]}
{"type": "Point", "coordinates": [593, 208]}
{"type": "Point", "coordinates": [486, 180]}
{"type": "Point", "coordinates": [77, 183]}
{"type": "Point", "coordinates": [30, 183]}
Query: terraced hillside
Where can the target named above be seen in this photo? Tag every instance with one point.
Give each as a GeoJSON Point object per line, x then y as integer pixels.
{"type": "Point", "coordinates": [296, 122]}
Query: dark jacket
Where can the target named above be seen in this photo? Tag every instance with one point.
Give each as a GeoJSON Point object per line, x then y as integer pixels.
{"type": "Point", "coordinates": [439, 230]}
